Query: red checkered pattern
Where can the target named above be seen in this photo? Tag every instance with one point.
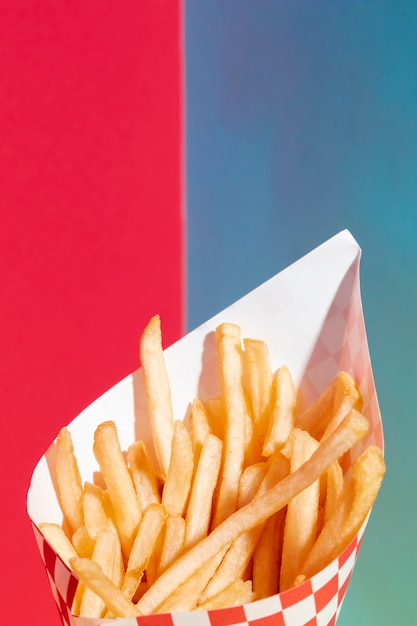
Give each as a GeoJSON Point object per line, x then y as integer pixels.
{"type": "Point", "coordinates": [341, 345]}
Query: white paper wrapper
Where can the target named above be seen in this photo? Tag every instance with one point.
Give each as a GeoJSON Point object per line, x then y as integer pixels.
{"type": "Point", "coordinates": [310, 315]}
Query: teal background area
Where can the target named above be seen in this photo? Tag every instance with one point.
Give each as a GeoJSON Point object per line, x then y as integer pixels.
{"type": "Point", "coordinates": [301, 120]}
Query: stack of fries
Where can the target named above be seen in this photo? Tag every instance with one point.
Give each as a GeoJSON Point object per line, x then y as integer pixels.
{"type": "Point", "coordinates": [246, 498]}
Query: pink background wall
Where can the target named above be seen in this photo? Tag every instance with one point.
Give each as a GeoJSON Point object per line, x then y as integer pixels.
{"type": "Point", "coordinates": [91, 240]}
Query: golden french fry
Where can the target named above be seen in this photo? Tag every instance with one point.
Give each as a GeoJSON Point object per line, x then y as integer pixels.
{"type": "Point", "coordinates": [173, 544]}
{"type": "Point", "coordinates": [82, 542]}
{"type": "Point", "coordinates": [143, 475]}
{"type": "Point", "coordinates": [150, 526]}
{"type": "Point", "coordinates": [282, 414]}
{"type": "Point", "coordinates": [95, 516]}
{"type": "Point", "coordinates": [350, 512]}
{"type": "Point", "coordinates": [154, 560]}
{"type": "Point", "coordinates": [257, 370]}
{"type": "Point", "coordinates": [68, 480]}
{"type": "Point", "coordinates": [339, 396]}
{"type": "Point", "coordinates": [158, 391]}
{"type": "Point", "coordinates": [237, 593]}
{"type": "Point", "coordinates": [199, 509]}
{"type": "Point", "coordinates": [180, 472]}
{"type": "Point", "coordinates": [250, 481]}
{"type": "Point", "coordinates": [318, 415]}
{"type": "Point", "coordinates": [107, 555]}
{"type": "Point", "coordinates": [59, 541]}
{"type": "Point", "coordinates": [278, 467]}
{"type": "Point", "coordinates": [267, 557]}
{"type": "Point", "coordinates": [119, 483]}
{"type": "Point", "coordinates": [302, 513]}
{"type": "Point", "coordinates": [93, 577]}
{"type": "Point", "coordinates": [352, 428]}
{"type": "Point", "coordinates": [334, 488]}
{"type": "Point", "coordinates": [228, 343]}
{"type": "Point", "coordinates": [257, 377]}
{"type": "Point", "coordinates": [347, 397]}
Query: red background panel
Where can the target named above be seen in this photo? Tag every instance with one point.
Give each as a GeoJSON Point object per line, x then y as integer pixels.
{"type": "Point", "coordinates": [91, 231]}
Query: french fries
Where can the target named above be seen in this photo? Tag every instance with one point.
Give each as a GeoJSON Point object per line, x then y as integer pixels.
{"type": "Point", "coordinates": [229, 348]}
{"type": "Point", "coordinates": [124, 501]}
{"type": "Point", "coordinates": [302, 512]}
{"type": "Point", "coordinates": [158, 392]}
{"type": "Point", "coordinates": [198, 514]}
{"type": "Point", "coordinates": [249, 500]}
{"type": "Point", "coordinates": [150, 526]}
{"type": "Point", "coordinates": [282, 415]}
{"type": "Point", "coordinates": [178, 480]}
{"type": "Point", "coordinates": [68, 480]}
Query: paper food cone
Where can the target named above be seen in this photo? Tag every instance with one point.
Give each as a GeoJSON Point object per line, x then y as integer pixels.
{"type": "Point", "coordinates": [310, 314]}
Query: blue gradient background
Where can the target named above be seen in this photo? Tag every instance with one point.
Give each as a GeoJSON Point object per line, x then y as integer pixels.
{"type": "Point", "coordinates": [301, 120]}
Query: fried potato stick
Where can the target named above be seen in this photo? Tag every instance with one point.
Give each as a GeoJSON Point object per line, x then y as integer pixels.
{"type": "Point", "coordinates": [258, 372]}
{"type": "Point", "coordinates": [229, 349]}
{"type": "Point", "coordinates": [82, 542]}
{"type": "Point", "coordinates": [302, 513]}
{"type": "Point", "coordinates": [95, 516]}
{"type": "Point", "coordinates": [125, 504]}
{"type": "Point", "coordinates": [180, 472]}
{"type": "Point", "coordinates": [158, 391]}
{"type": "Point", "coordinates": [149, 528]}
{"type": "Point", "coordinates": [197, 519]}
{"type": "Point", "coordinates": [68, 479]}
{"type": "Point", "coordinates": [143, 475]}
{"type": "Point", "coordinates": [281, 416]}
{"type": "Point", "coordinates": [267, 557]}
{"type": "Point", "coordinates": [338, 398]}
{"type": "Point", "coordinates": [173, 543]}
